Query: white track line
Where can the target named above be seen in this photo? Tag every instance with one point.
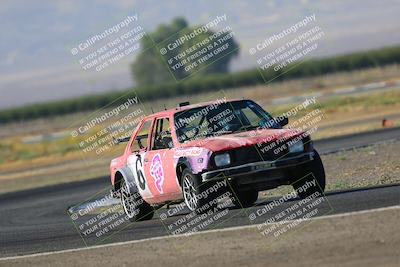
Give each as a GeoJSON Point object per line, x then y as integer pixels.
{"type": "Point", "coordinates": [197, 233]}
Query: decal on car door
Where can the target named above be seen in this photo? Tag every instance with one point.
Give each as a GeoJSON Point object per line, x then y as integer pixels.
{"type": "Point", "coordinates": [157, 172]}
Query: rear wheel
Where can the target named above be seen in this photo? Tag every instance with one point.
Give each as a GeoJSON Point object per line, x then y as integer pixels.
{"type": "Point", "coordinates": [197, 197]}
{"type": "Point", "coordinates": [244, 199]}
{"type": "Point", "coordinates": [312, 179]}
{"type": "Point", "coordinates": [134, 206]}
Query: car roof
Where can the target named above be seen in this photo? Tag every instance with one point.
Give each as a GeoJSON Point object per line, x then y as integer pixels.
{"type": "Point", "coordinates": [168, 112]}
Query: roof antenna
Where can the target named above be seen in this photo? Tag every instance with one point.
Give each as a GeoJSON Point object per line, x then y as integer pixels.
{"type": "Point", "coordinates": [152, 111]}
{"type": "Point", "coordinates": [165, 108]}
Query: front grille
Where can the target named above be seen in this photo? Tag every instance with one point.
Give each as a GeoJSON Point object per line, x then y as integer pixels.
{"type": "Point", "coordinates": [265, 152]}
{"type": "Point", "coordinates": [256, 153]}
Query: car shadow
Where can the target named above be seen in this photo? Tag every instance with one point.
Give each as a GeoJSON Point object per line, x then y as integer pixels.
{"type": "Point", "coordinates": [329, 193]}
{"type": "Point", "coordinates": [267, 200]}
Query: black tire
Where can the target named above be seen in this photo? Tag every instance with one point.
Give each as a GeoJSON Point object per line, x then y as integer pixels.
{"type": "Point", "coordinates": [311, 171]}
{"type": "Point", "coordinates": [245, 199]}
{"type": "Point", "coordinates": [135, 208]}
{"type": "Point", "coordinates": [195, 193]}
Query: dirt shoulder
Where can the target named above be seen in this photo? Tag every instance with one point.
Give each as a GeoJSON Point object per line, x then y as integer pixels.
{"type": "Point", "coordinates": [369, 166]}
{"type": "Point", "coordinates": [362, 239]}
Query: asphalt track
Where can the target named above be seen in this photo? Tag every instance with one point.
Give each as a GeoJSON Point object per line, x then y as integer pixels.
{"type": "Point", "coordinates": [36, 220]}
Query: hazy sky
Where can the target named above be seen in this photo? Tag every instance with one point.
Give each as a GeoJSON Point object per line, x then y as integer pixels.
{"type": "Point", "coordinates": [36, 38]}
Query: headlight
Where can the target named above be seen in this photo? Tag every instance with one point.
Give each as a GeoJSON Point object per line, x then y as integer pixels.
{"type": "Point", "coordinates": [222, 160]}
{"type": "Point", "coordinates": [296, 147]}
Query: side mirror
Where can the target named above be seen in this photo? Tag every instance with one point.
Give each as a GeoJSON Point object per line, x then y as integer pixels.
{"type": "Point", "coordinates": [283, 121]}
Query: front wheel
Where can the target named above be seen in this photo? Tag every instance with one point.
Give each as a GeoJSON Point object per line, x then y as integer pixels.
{"type": "Point", "coordinates": [197, 197]}
{"type": "Point", "coordinates": [312, 178]}
{"type": "Point", "coordinates": [136, 209]}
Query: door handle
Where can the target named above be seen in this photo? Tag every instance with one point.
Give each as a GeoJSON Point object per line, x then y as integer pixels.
{"type": "Point", "coordinates": [146, 160]}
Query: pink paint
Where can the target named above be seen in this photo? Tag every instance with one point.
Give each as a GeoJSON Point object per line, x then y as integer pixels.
{"type": "Point", "coordinates": [157, 172]}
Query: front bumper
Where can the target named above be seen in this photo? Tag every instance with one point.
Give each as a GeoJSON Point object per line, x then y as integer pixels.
{"type": "Point", "coordinates": [257, 168]}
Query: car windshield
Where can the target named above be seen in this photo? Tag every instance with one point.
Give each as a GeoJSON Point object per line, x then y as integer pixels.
{"type": "Point", "coordinates": [218, 119]}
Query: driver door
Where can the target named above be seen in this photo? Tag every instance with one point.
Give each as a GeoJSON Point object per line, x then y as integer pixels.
{"type": "Point", "coordinates": [159, 164]}
{"type": "Point", "coordinates": [135, 161]}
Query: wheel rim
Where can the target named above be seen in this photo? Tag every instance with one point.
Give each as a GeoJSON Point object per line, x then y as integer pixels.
{"type": "Point", "coordinates": [189, 193]}
{"type": "Point", "coordinates": [127, 201]}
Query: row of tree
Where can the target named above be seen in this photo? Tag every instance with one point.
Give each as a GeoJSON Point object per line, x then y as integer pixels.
{"type": "Point", "coordinates": [200, 83]}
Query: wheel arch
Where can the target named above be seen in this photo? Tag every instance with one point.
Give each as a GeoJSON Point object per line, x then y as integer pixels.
{"type": "Point", "coordinates": [125, 174]}
{"type": "Point", "coordinates": [117, 181]}
{"type": "Point", "coordinates": [182, 164]}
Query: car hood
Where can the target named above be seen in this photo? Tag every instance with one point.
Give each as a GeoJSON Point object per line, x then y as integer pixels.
{"type": "Point", "coordinates": [241, 139]}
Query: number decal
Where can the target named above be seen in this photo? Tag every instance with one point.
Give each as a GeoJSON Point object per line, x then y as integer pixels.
{"type": "Point", "coordinates": [136, 165]}
{"type": "Point", "coordinates": [139, 173]}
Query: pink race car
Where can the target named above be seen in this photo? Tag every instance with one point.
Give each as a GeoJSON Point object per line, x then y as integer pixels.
{"type": "Point", "coordinates": [178, 155]}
